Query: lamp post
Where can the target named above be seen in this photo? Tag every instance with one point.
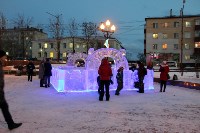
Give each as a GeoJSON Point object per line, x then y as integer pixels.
{"type": "Point", "coordinates": [181, 62]}
{"type": "Point", "coordinates": [107, 29]}
{"type": "Point", "coordinates": [57, 33]}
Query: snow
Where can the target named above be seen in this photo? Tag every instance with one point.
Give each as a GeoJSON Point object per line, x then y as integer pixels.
{"type": "Point", "coordinates": [44, 110]}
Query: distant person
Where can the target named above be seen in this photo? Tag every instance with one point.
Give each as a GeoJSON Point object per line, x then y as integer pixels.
{"type": "Point", "coordinates": [164, 69]}
{"type": "Point", "coordinates": [105, 73]}
{"type": "Point", "coordinates": [150, 66]}
{"type": "Point", "coordinates": [142, 71]}
{"type": "Point", "coordinates": [3, 104]}
{"type": "Point", "coordinates": [47, 72]}
{"type": "Point", "coordinates": [41, 74]}
{"type": "Point", "coordinates": [119, 78]}
{"type": "Point", "coordinates": [30, 67]}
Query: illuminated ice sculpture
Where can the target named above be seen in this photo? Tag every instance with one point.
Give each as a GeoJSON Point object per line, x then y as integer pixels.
{"type": "Point", "coordinates": [84, 79]}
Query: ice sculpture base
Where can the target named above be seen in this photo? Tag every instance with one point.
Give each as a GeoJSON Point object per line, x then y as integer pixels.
{"type": "Point", "coordinates": [77, 79]}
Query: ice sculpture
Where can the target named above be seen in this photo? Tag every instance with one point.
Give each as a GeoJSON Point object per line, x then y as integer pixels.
{"type": "Point", "coordinates": [84, 79]}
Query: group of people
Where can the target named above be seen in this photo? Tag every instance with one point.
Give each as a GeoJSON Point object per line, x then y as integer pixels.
{"type": "Point", "coordinates": [44, 72]}
{"type": "Point", "coordinates": [105, 74]}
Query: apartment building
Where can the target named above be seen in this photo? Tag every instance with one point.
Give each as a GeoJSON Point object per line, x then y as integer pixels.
{"type": "Point", "coordinates": [47, 48]}
{"type": "Point", "coordinates": [17, 42]}
{"type": "Point", "coordinates": [167, 38]}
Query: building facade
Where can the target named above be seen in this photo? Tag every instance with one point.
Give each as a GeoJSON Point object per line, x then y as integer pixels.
{"type": "Point", "coordinates": [167, 38]}
{"type": "Point", "coordinates": [47, 48]}
{"type": "Point", "coordinates": [17, 42]}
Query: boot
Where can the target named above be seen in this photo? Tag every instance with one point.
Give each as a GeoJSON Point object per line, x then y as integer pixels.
{"type": "Point", "coordinates": [14, 125]}
{"type": "Point", "coordinates": [107, 97]}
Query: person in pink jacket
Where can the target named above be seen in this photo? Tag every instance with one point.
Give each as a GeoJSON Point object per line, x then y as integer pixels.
{"type": "Point", "coordinates": [105, 74]}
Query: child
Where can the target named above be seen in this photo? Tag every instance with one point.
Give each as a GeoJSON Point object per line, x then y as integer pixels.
{"type": "Point", "coordinates": [119, 77]}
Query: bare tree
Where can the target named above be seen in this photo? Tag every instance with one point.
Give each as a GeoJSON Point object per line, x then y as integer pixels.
{"type": "Point", "coordinates": [2, 26]}
{"type": "Point", "coordinates": [56, 27]}
{"type": "Point", "coordinates": [21, 21]}
{"type": "Point", "coordinates": [3, 20]}
{"type": "Point", "coordinates": [72, 29]}
{"type": "Point", "coordinates": [21, 24]}
{"type": "Point", "coordinates": [89, 29]}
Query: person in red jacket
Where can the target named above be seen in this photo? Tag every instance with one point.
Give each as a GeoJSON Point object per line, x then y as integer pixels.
{"type": "Point", "coordinates": [105, 74]}
{"type": "Point", "coordinates": [164, 69]}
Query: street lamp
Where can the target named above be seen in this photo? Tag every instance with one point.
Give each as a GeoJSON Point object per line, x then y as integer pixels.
{"type": "Point", "coordinates": [108, 30]}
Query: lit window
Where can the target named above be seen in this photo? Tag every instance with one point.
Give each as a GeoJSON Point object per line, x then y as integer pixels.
{"type": "Point", "coordinates": [164, 46]}
{"type": "Point", "coordinates": [155, 46]}
{"type": "Point", "coordinates": [188, 24]}
{"type": "Point", "coordinates": [84, 46]}
{"type": "Point", "coordinates": [51, 54]}
{"type": "Point", "coordinates": [71, 45]}
{"type": "Point", "coordinates": [197, 22]}
{"type": "Point", "coordinates": [175, 46]}
{"type": "Point", "coordinates": [164, 36]}
{"type": "Point", "coordinates": [155, 36]}
{"type": "Point", "coordinates": [187, 46]}
{"type": "Point", "coordinates": [45, 45]}
{"type": "Point", "coordinates": [197, 44]}
{"type": "Point", "coordinates": [64, 54]}
{"type": "Point", "coordinates": [166, 25]}
{"type": "Point", "coordinates": [77, 46]}
{"type": "Point", "coordinates": [176, 35]}
{"type": "Point", "coordinates": [155, 25]}
{"type": "Point", "coordinates": [187, 35]}
{"type": "Point", "coordinates": [176, 24]}
{"type": "Point", "coordinates": [187, 57]}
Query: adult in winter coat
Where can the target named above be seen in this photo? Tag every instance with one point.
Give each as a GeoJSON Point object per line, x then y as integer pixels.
{"type": "Point", "coordinates": [164, 70]}
{"type": "Point", "coordinates": [142, 71]}
{"type": "Point", "coordinates": [105, 74]}
{"type": "Point", "coordinates": [47, 72]}
{"type": "Point", "coordinates": [41, 73]}
{"type": "Point", "coordinates": [119, 78]}
{"type": "Point", "coordinates": [3, 104]}
{"type": "Point", "coordinates": [30, 67]}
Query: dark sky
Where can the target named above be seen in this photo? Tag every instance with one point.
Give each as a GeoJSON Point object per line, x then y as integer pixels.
{"type": "Point", "coordinates": [128, 15]}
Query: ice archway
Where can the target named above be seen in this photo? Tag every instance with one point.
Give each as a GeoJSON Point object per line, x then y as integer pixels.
{"type": "Point", "coordinates": [72, 57]}
{"type": "Point", "coordinates": [94, 58]}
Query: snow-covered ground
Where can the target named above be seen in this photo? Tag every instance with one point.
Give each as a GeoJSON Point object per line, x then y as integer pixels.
{"type": "Point", "coordinates": [43, 110]}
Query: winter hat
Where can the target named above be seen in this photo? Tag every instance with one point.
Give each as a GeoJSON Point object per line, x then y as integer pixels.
{"type": "Point", "coordinates": [2, 53]}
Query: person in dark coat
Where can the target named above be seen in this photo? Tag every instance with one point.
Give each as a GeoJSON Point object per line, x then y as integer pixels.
{"type": "Point", "coordinates": [142, 71]}
{"type": "Point", "coordinates": [30, 67]}
{"type": "Point", "coordinates": [119, 78]}
{"type": "Point", "coordinates": [3, 103]}
{"type": "Point", "coordinates": [105, 73]}
{"type": "Point", "coordinates": [41, 73]}
{"type": "Point", "coordinates": [164, 69]}
{"type": "Point", "coordinates": [47, 72]}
